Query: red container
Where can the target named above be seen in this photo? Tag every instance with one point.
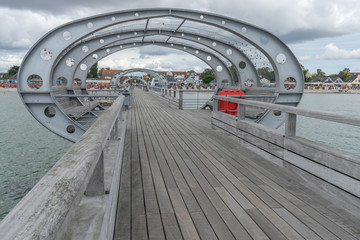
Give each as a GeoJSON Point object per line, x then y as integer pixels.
{"type": "Point", "coordinates": [229, 107]}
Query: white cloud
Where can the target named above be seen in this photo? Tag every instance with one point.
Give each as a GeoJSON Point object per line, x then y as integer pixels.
{"type": "Point", "coordinates": [21, 29]}
{"type": "Point", "coordinates": [8, 59]}
{"type": "Point", "coordinates": [333, 52]}
{"type": "Point", "coordinates": [304, 58]}
{"type": "Point", "coordinates": [23, 22]}
{"type": "Point", "coordinates": [133, 58]}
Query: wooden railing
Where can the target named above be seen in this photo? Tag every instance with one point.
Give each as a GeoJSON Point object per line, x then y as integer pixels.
{"type": "Point", "coordinates": [178, 97]}
{"type": "Point", "coordinates": [334, 166]}
{"type": "Point", "coordinates": [46, 212]}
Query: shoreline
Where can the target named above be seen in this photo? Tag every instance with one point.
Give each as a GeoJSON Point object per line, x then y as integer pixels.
{"type": "Point", "coordinates": [8, 89]}
{"type": "Point", "coordinates": [333, 91]}
{"type": "Point", "coordinates": [319, 91]}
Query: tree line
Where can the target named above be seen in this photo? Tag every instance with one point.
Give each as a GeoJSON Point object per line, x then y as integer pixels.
{"type": "Point", "coordinates": [208, 74]}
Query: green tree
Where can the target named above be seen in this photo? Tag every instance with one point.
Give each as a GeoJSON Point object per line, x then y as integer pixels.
{"type": "Point", "coordinates": [93, 73]}
{"type": "Point", "coordinates": [207, 79]}
{"type": "Point", "coordinates": [267, 73]}
{"type": "Point", "coordinates": [320, 73]}
{"type": "Point", "coordinates": [101, 71]}
{"type": "Point", "coordinates": [207, 75]}
{"type": "Point", "coordinates": [306, 73]}
{"type": "Point", "coordinates": [12, 71]}
{"type": "Point", "coordinates": [344, 74]}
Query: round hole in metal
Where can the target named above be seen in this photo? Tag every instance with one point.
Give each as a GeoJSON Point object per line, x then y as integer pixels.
{"type": "Point", "coordinates": [242, 65]}
{"type": "Point", "coordinates": [70, 129]}
{"type": "Point", "coordinates": [34, 81]}
{"type": "Point", "coordinates": [290, 83]}
{"type": "Point", "coordinates": [50, 112]}
{"type": "Point", "coordinates": [46, 54]}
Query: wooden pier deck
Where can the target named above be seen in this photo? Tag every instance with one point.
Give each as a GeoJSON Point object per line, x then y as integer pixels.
{"type": "Point", "coordinates": [181, 179]}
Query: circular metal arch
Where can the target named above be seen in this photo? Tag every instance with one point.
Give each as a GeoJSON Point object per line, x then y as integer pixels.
{"type": "Point", "coordinates": [99, 43]}
{"type": "Point", "coordinates": [233, 55]}
{"type": "Point", "coordinates": [41, 60]}
{"type": "Point", "coordinates": [115, 80]}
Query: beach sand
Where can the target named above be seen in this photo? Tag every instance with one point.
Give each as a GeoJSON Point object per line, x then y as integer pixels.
{"type": "Point", "coordinates": [319, 91]}
{"type": "Point", "coordinates": [8, 89]}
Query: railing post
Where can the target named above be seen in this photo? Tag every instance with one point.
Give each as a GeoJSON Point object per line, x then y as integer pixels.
{"type": "Point", "coordinates": [175, 93]}
{"type": "Point", "coordinates": [215, 105]}
{"type": "Point", "coordinates": [290, 125]}
{"type": "Point", "coordinates": [162, 92]}
{"type": "Point", "coordinates": [181, 98]}
{"type": "Point", "coordinates": [114, 131]}
{"type": "Point", "coordinates": [241, 112]}
{"type": "Point", "coordinates": [127, 100]}
{"type": "Point", "coordinates": [96, 186]}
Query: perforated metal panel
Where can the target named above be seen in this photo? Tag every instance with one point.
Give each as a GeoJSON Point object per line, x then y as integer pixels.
{"type": "Point", "coordinates": [232, 48]}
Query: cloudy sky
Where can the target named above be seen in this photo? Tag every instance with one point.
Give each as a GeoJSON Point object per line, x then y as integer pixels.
{"type": "Point", "coordinates": [323, 34]}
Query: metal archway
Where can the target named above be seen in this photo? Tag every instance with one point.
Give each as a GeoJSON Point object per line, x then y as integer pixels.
{"type": "Point", "coordinates": [232, 54]}
{"type": "Point", "coordinates": [76, 54]}
{"type": "Point", "coordinates": [115, 80]}
{"type": "Point", "coordinates": [41, 61]}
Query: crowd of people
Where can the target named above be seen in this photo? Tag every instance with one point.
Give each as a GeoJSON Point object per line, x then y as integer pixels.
{"type": "Point", "coordinates": [7, 85]}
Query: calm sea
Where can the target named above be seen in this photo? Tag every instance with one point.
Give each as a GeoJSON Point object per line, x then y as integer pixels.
{"type": "Point", "coordinates": [28, 150]}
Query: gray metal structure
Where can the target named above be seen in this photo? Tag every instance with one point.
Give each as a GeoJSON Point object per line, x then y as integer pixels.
{"type": "Point", "coordinates": [115, 80]}
{"type": "Point", "coordinates": [232, 48]}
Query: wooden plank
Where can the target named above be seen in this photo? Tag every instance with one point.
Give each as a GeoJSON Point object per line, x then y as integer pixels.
{"type": "Point", "coordinates": [334, 117]}
{"type": "Point", "coordinates": [123, 215]}
{"type": "Point", "coordinates": [328, 157]}
{"type": "Point", "coordinates": [166, 209]}
{"type": "Point", "coordinates": [155, 227]}
{"type": "Point", "coordinates": [182, 125]}
{"type": "Point", "coordinates": [295, 200]}
{"type": "Point", "coordinates": [186, 224]}
{"type": "Point", "coordinates": [230, 217]}
{"type": "Point", "coordinates": [299, 226]}
{"type": "Point", "coordinates": [248, 223]}
{"type": "Point", "coordinates": [138, 219]}
{"type": "Point", "coordinates": [212, 215]}
{"type": "Point", "coordinates": [265, 224]}
{"type": "Point", "coordinates": [290, 231]}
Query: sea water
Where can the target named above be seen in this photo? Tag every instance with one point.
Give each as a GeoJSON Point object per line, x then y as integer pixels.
{"type": "Point", "coordinates": [28, 150]}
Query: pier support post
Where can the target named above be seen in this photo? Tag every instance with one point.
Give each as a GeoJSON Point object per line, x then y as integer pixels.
{"type": "Point", "coordinates": [241, 112]}
{"type": "Point", "coordinates": [290, 125]}
{"type": "Point", "coordinates": [181, 98]}
{"type": "Point", "coordinates": [96, 186]}
{"type": "Point", "coordinates": [127, 100]}
{"type": "Point", "coordinates": [215, 105]}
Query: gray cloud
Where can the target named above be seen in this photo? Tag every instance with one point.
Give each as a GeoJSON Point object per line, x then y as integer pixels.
{"type": "Point", "coordinates": [301, 35]}
{"type": "Point", "coordinates": [151, 51]}
{"type": "Point", "coordinates": [23, 22]}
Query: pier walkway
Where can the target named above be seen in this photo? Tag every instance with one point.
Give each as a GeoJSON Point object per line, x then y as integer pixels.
{"type": "Point", "coordinates": [181, 179]}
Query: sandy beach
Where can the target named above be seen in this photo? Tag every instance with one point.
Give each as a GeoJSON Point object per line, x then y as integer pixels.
{"type": "Point", "coordinates": [336, 91]}
{"type": "Point", "coordinates": [319, 91]}
{"type": "Point", "coordinates": [8, 89]}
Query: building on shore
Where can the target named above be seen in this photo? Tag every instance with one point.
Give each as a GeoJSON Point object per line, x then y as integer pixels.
{"type": "Point", "coordinates": [106, 76]}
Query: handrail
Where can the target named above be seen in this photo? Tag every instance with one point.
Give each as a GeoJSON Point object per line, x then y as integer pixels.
{"type": "Point", "coordinates": [323, 115]}
{"type": "Point", "coordinates": [42, 212]}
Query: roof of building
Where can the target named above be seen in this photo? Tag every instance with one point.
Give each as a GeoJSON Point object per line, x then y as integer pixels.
{"type": "Point", "coordinates": [352, 77]}
{"type": "Point", "coordinates": [107, 73]}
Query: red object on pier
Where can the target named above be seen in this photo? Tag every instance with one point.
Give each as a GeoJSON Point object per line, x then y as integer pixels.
{"type": "Point", "coordinates": [229, 107]}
